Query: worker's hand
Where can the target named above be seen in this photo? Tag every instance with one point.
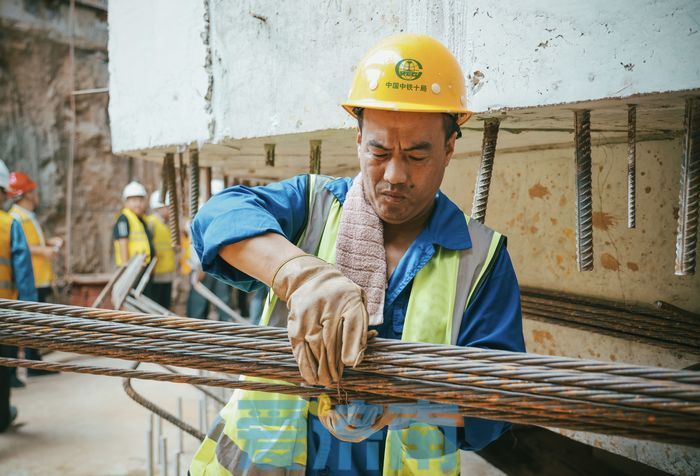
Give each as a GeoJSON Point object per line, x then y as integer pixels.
{"type": "Point", "coordinates": [354, 422]}
{"type": "Point", "coordinates": [56, 242]}
{"type": "Point", "coordinates": [327, 323]}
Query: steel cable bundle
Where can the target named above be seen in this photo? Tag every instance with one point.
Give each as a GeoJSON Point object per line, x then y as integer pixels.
{"type": "Point", "coordinates": [640, 402]}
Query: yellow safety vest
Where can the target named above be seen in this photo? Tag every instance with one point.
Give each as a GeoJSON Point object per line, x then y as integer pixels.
{"type": "Point", "coordinates": [138, 239]}
{"type": "Point", "coordinates": [7, 282]}
{"type": "Point", "coordinates": [43, 269]}
{"type": "Point", "coordinates": [267, 431]}
{"type": "Point", "coordinates": [161, 242]}
{"type": "Point", "coordinates": [185, 268]}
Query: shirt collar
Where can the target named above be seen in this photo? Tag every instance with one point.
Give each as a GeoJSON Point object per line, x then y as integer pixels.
{"type": "Point", "coordinates": [25, 210]}
{"type": "Point", "coordinates": [447, 226]}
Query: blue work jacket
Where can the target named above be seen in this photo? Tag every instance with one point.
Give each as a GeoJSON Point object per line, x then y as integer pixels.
{"type": "Point", "coordinates": [22, 271]}
{"type": "Point", "coordinates": [492, 319]}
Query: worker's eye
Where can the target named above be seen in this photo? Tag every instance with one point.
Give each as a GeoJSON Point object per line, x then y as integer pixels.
{"type": "Point", "coordinates": [417, 158]}
{"type": "Point", "coordinates": [379, 154]}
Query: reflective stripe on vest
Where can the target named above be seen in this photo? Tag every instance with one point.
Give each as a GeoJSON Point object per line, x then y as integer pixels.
{"type": "Point", "coordinates": [138, 239]}
{"type": "Point", "coordinates": [7, 283]}
{"type": "Point", "coordinates": [43, 269]}
{"type": "Point", "coordinates": [163, 246]}
{"type": "Point", "coordinates": [441, 289]}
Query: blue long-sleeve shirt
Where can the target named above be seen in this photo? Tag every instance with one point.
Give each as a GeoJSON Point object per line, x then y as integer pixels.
{"type": "Point", "coordinates": [22, 271]}
{"type": "Point", "coordinates": [492, 318]}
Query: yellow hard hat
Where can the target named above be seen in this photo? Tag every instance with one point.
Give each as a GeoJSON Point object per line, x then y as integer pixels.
{"type": "Point", "coordinates": [413, 73]}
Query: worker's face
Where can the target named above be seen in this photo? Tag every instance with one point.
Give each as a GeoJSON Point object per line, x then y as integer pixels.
{"type": "Point", "coordinates": [136, 204]}
{"type": "Point", "coordinates": [164, 213]}
{"type": "Point", "coordinates": [403, 156]}
{"type": "Point", "coordinates": [33, 197]}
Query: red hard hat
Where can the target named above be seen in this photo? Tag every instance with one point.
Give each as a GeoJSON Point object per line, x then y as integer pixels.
{"type": "Point", "coordinates": [20, 183]}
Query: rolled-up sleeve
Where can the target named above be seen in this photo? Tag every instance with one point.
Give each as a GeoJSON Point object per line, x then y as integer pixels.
{"type": "Point", "coordinates": [492, 320]}
{"type": "Point", "coordinates": [238, 213]}
{"type": "Point", "coordinates": [22, 270]}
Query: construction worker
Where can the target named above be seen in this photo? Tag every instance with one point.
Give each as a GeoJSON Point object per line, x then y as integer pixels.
{"type": "Point", "coordinates": [131, 233]}
{"type": "Point", "coordinates": [161, 285]}
{"type": "Point", "coordinates": [16, 282]}
{"type": "Point", "coordinates": [385, 252]}
{"type": "Point", "coordinates": [24, 191]}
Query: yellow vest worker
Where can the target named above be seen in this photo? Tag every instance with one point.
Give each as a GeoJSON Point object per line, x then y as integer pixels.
{"type": "Point", "coordinates": [131, 235]}
{"type": "Point", "coordinates": [25, 193]}
{"type": "Point", "coordinates": [160, 287]}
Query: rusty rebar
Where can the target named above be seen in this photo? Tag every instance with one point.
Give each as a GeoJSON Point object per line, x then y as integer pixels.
{"type": "Point", "coordinates": [183, 180]}
{"type": "Point", "coordinates": [584, 191]}
{"type": "Point", "coordinates": [631, 166]}
{"type": "Point", "coordinates": [689, 197]}
{"type": "Point", "coordinates": [194, 181]}
{"type": "Point", "coordinates": [166, 415]}
{"type": "Point", "coordinates": [314, 156]}
{"type": "Point", "coordinates": [483, 180]}
{"type": "Point", "coordinates": [174, 218]}
{"type": "Point", "coordinates": [269, 155]}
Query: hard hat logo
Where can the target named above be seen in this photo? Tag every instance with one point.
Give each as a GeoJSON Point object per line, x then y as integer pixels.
{"type": "Point", "coordinates": [390, 78]}
{"type": "Point", "coordinates": [409, 69]}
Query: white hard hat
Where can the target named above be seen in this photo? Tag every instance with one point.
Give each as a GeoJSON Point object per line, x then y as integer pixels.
{"type": "Point", "coordinates": [4, 176]}
{"type": "Point", "coordinates": [156, 202]}
{"type": "Point", "coordinates": [134, 189]}
{"type": "Point", "coordinates": [217, 185]}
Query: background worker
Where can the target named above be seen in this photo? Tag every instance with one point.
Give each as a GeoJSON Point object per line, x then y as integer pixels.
{"type": "Point", "coordinates": [16, 282]}
{"type": "Point", "coordinates": [131, 234]}
{"type": "Point", "coordinates": [161, 285]}
{"type": "Point", "coordinates": [25, 193]}
{"type": "Point", "coordinates": [386, 252]}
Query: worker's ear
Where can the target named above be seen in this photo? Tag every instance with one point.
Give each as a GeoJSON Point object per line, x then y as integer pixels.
{"type": "Point", "coordinates": [358, 139]}
{"type": "Point", "coordinates": [450, 148]}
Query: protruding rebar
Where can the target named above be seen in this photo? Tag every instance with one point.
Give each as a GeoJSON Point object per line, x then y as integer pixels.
{"type": "Point", "coordinates": [194, 181]}
{"type": "Point", "coordinates": [174, 220]}
{"type": "Point", "coordinates": [269, 154]}
{"type": "Point", "coordinates": [584, 191]}
{"type": "Point", "coordinates": [163, 446]}
{"type": "Point", "coordinates": [689, 197]}
{"type": "Point", "coordinates": [207, 183]}
{"type": "Point", "coordinates": [183, 180]}
{"type": "Point", "coordinates": [483, 180]}
{"type": "Point", "coordinates": [314, 156]}
{"type": "Point", "coordinates": [180, 434]}
{"type": "Point", "coordinates": [149, 446]}
{"type": "Point", "coordinates": [632, 166]}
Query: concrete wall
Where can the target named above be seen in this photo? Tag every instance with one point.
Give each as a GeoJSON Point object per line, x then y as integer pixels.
{"type": "Point", "coordinates": [233, 69]}
{"type": "Point", "coordinates": [532, 201]}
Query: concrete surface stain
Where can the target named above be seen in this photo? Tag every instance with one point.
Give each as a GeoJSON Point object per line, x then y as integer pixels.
{"type": "Point", "coordinates": [603, 221]}
{"type": "Point", "coordinates": [568, 232]}
{"type": "Point", "coordinates": [533, 229]}
{"type": "Point", "coordinates": [609, 262]}
{"type": "Point", "coordinates": [541, 336]}
{"type": "Point", "coordinates": [538, 191]}
{"type": "Point", "coordinates": [562, 201]}
{"type": "Point", "coordinates": [560, 259]}
{"type": "Point", "coordinates": [632, 266]}
{"type": "Point", "coordinates": [647, 189]}
{"type": "Point", "coordinates": [554, 221]}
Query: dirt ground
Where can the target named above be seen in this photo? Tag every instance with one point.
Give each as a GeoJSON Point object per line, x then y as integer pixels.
{"type": "Point", "coordinates": [85, 425]}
